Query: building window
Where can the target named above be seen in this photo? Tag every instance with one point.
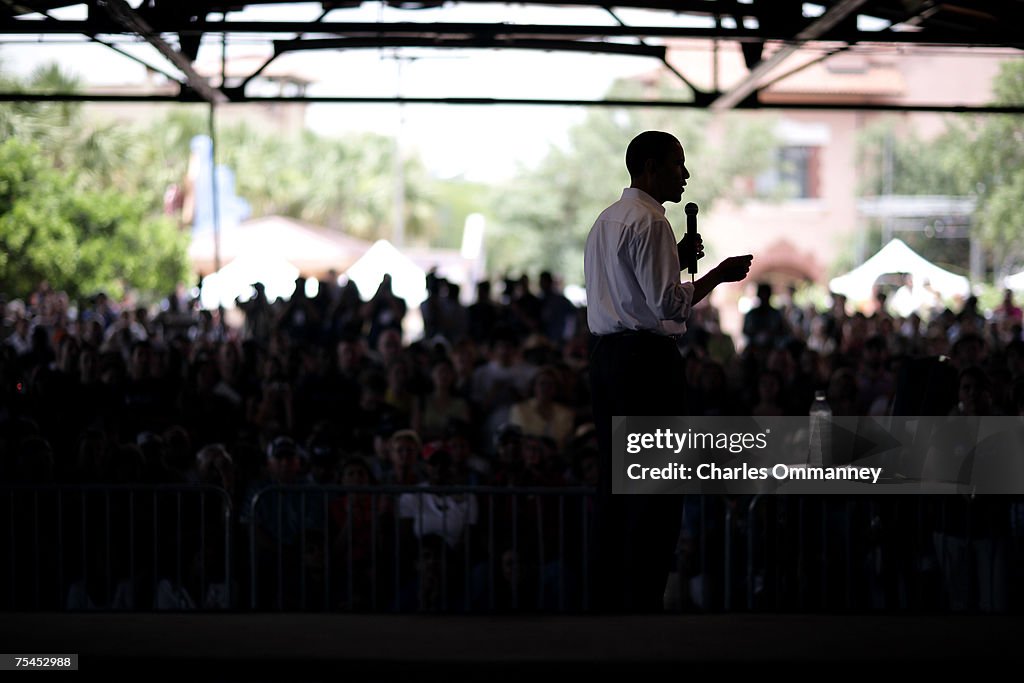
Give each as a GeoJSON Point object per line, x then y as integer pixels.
{"type": "Point", "coordinates": [794, 175]}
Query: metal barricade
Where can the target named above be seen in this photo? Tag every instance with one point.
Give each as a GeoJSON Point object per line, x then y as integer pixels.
{"type": "Point", "coordinates": [419, 548]}
{"type": "Point", "coordinates": [489, 549]}
{"type": "Point", "coordinates": [129, 547]}
{"type": "Point", "coordinates": [854, 554]}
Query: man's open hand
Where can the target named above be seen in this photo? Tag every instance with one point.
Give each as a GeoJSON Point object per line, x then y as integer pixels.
{"type": "Point", "coordinates": [734, 268]}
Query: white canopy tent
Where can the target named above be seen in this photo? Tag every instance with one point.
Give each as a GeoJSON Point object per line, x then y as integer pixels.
{"type": "Point", "coordinates": [310, 248]}
{"type": "Point", "coordinates": [408, 281]}
{"type": "Point", "coordinates": [1015, 281]}
{"type": "Point", "coordinates": [897, 257]}
{"type": "Point", "coordinates": [236, 280]}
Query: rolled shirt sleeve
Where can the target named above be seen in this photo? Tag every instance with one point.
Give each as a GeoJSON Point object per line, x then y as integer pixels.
{"type": "Point", "coordinates": [657, 272]}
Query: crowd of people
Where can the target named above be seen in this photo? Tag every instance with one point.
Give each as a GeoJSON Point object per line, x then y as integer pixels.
{"type": "Point", "coordinates": [325, 391]}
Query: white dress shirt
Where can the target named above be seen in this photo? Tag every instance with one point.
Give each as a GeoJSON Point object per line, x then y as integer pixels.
{"type": "Point", "coordinates": [441, 514]}
{"type": "Point", "coordinates": [631, 268]}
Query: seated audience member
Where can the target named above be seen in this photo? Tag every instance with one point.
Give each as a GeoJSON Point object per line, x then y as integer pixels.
{"type": "Point", "coordinates": [468, 467]}
{"type": "Point", "coordinates": [446, 515]}
{"type": "Point", "coordinates": [442, 404]}
{"type": "Point", "coordinates": [498, 384]}
{"type": "Point", "coordinates": [405, 467]}
{"type": "Point", "coordinates": [358, 520]}
{"type": "Point", "coordinates": [541, 415]}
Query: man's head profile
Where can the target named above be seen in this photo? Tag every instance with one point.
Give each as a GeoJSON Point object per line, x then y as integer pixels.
{"type": "Point", "coordinates": [657, 165]}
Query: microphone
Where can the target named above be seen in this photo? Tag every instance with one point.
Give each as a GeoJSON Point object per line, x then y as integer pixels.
{"type": "Point", "coordinates": [691, 234]}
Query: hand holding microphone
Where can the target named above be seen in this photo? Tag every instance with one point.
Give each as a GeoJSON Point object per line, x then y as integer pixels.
{"type": "Point", "coordinates": [691, 247]}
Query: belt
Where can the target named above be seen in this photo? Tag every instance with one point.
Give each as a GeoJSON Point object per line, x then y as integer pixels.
{"type": "Point", "coordinates": [631, 333]}
{"type": "Point", "coordinates": [634, 334]}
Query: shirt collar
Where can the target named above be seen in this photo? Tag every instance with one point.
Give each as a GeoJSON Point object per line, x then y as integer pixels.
{"type": "Point", "coordinates": [636, 193]}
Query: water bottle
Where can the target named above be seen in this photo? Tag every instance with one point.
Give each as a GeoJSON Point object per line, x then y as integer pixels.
{"type": "Point", "coordinates": [820, 441]}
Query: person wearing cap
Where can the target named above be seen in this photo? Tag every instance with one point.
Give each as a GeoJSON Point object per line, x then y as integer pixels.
{"type": "Point", "coordinates": [283, 468]}
{"type": "Point", "coordinates": [285, 461]}
{"type": "Point", "coordinates": [636, 307]}
{"type": "Point", "coordinates": [284, 514]}
{"type": "Point", "coordinates": [323, 459]}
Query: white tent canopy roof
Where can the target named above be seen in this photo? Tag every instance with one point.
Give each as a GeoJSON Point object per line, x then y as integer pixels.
{"type": "Point", "coordinates": [897, 257]}
{"type": "Point", "coordinates": [1015, 281]}
{"type": "Point", "coordinates": [408, 281]}
{"type": "Point", "coordinates": [309, 248]}
{"type": "Point", "coordinates": [236, 280]}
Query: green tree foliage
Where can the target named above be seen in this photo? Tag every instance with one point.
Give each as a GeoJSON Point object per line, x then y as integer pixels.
{"type": "Point", "coordinates": [539, 220]}
{"type": "Point", "coordinates": [456, 200]}
{"type": "Point", "coordinates": [343, 184]}
{"type": "Point", "coordinates": [994, 162]}
{"type": "Point", "coordinates": [72, 209]}
{"type": "Point", "coordinates": [80, 240]}
{"type": "Point", "coordinates": [47, 122]}
{"type": "Point", "coordinates": [346, 184]}
{"type": "Point", "coordinates": [977, 156]}
{"type": "Point", "coordinates": [83, 200]}
{"type": "Point", "coordinates": [901, 162]}
{"type": "Point", "coordinates": [917, 166]}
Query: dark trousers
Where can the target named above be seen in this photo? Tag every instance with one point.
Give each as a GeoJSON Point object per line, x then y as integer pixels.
{"type": "Point", "coordinates": [633, 374]}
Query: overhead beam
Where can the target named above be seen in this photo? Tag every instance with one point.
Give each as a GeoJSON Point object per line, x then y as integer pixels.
{"type": "Point", "coordinates": [664, 58]}
{"type": "Point", "coordinates": [123, 14]}
{"type": "Point", "coordinates": [818, 28]}
{"type": "Point", "coordinates": [1004, 37]}
{"type": "Point", "coordinates": [51, 20]}
{"type": "Point", "coordinates": [239, 98]}
{"type": "Point", "coordinates": [657, 51]}
{"type": "Point", "coordinates": [274, 56]}
{"type": "Point", "coordinates": [466, 30]}
{"type": "Point", "coordinates": [137, 60]}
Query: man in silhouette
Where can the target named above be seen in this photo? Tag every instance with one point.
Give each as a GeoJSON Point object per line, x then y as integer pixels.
{"type": "Point", "coordinates": [636, 307]}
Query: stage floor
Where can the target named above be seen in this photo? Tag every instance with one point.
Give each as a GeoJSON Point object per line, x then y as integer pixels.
{"type": "Point", "coordinates": [299, 647]}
